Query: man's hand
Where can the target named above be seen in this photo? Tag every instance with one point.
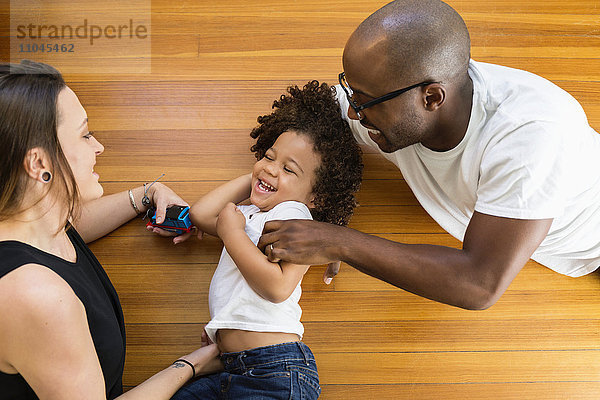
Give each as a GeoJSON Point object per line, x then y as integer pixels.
{"type": "Point", "coordinates": [303, 242]}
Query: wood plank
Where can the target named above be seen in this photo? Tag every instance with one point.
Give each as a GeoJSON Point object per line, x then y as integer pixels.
{"type": "Point", "coordinates": [139, 259]}
{"type": "Point", "coordinates": [201, 166]}
{"type": "Point", "coordinates": [152, 245]}
{"type": "Point", "coordinates": [489, 44]}
{"type": "Point", "coordinates": [141, 307]}
{"type": "Point", "coordinates": [463, 367]}
{"type": "Point", "coordinates": [401, 336]}
{"type": "Point", "coordinates": [252, 93]}
{"type": "Point", "coordinates": [288, 65]}
{"type": "Point", "coordinates": [358, 6]}
{"type": "Point", "coordinates": [134, 143]}
{"type": "Point", "coordinates": [424, 368]}
{"type": "Point", "coordinates": [533, 276]}
{"type": "Point", "coordinates": [298, 30]}
{"type": "Point", "coordinates": [373, 192]}
{"type": "Point", "coordinates": [150, 249]}
{"type": "Point", "coordinates": [500, 24]}
{"type": "Point", "coordinates": [198, 117]}
{"type": "Point", "coordinates": [479, 391]}
{"type": "Point", "coordinates": [167, 278]}
{"type": "Point", "coordinates": [292, 67]}
{"type": "Point", "coordinates": [189, 141]}
{"type": "Point", "coordinates": [453, 336]}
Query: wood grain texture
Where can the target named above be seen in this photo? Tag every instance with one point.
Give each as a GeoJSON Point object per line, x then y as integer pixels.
{"type": "Point", "coordinates": [217, 66]}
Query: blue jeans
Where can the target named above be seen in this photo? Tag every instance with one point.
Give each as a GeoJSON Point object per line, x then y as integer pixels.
{"type": "Point", "coordinates": [282, 371]}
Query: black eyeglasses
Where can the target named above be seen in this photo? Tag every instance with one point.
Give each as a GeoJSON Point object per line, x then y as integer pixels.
{"type": "Point", "coordinates": [359, 107]}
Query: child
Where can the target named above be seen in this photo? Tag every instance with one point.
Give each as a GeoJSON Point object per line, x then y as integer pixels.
{"type": "Point", "coordinates": [309, 166]}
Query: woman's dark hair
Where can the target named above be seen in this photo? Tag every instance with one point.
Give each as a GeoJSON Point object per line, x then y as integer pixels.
{"type": "Point", "coordinates": [315, 112]}
{"type": "Point", "coordinates": [28, 119]}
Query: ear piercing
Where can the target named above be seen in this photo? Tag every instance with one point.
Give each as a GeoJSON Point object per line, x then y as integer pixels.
{"type": "Point", "coordinates": [46, 176]}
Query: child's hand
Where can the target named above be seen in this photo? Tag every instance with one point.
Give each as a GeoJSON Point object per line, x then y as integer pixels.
{"type": "Point", "coordinates": [230, 219]}
{"type": "Point", "coordinates": [205, 341]}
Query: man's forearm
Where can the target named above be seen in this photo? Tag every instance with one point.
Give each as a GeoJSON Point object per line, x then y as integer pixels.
{"type": "Point", "coordinates": [494, 250]}
{"type": "Point", "coordinates": [438, 273]}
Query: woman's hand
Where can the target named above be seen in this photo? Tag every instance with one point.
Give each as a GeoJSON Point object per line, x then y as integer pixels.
{"type": "Point", "coordinates": [206, 359]}
{"type": "Point", "coordinates": [162, 197]}
{"type": "Point", "coordinates": [230, 219]}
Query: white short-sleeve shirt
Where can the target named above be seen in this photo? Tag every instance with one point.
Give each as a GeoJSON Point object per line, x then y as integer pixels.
{"type": "Point", "coordinates": [234, 304]}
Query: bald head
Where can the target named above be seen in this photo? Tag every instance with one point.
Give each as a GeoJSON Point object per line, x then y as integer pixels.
{"type": "Point", "coordinates": [416, 40]}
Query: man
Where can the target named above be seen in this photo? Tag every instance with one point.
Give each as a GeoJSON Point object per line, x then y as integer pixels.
{"type": "Point", "coordinates": [500, 158]}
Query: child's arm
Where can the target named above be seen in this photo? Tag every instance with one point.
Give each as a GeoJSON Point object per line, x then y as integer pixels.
{"type": "Point", "coordinates": [205, 211]}
{"type": "Point", "coordinates": [272, 281]}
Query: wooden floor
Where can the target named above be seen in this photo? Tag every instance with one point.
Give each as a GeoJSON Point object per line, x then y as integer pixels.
{"type": "Point", "coordinates": [216, 66]}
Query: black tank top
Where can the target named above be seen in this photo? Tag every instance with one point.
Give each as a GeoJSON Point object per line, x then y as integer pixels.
{"type": "Point", "coordinates": [90, 283]}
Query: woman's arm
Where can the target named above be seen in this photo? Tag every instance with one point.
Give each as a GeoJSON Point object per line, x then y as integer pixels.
{"type": "Point", "coordinates": [205, 211]}
{"type": "Point", "coordinates": [164, 384]}
{"type": "Point", "coordinates": [45, 337]}
{"type": "Point", "coordinates": [272, 281]}
{"type": "Point", "coordinates": [101, 216]}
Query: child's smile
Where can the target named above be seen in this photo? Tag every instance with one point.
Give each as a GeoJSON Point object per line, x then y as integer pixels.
{"type": "Point", "coordinates": [286, 172]}
{"type": "Point", "coordinates": [265, 187]}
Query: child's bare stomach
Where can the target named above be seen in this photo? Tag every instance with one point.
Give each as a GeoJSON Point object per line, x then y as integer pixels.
{"type": "Point", "coordinates": [235, 340]}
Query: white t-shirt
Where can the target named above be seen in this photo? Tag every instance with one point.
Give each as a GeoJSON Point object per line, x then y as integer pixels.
{"type": "Point", "coordinates": [528, 153]}
{"type": "Point", "coordinates": [234, 304]}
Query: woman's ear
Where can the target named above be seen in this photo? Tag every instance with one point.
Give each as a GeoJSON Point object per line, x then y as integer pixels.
{"type": "Point", "coordinates": [37, 165]}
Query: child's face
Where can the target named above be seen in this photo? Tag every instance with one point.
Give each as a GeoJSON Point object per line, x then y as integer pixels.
{"type": "Point", "coordinates": [286, 172]}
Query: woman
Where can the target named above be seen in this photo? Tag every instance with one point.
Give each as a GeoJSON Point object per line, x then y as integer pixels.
{"type": "Point", "coordinates": [61, 325]}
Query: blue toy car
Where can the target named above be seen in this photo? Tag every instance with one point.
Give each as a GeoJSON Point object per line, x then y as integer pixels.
{"type": "Point", "coordinates": [177, 219]}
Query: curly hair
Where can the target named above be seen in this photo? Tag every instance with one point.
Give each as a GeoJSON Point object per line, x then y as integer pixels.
{"type": "Point", "coordinates": [315, 112]}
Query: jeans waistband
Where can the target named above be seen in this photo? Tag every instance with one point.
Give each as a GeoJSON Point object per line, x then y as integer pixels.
{"type": "Point", "coordinates": [261, 356]}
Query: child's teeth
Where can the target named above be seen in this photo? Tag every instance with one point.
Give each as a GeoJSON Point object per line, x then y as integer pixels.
{"type": "Point", "coordinates": [266, 186]}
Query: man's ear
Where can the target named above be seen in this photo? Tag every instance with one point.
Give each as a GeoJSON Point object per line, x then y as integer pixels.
{"type": "Point", "coordinates": [36, 164]}
{"type": "Point", "coordinates": [434, 96]}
